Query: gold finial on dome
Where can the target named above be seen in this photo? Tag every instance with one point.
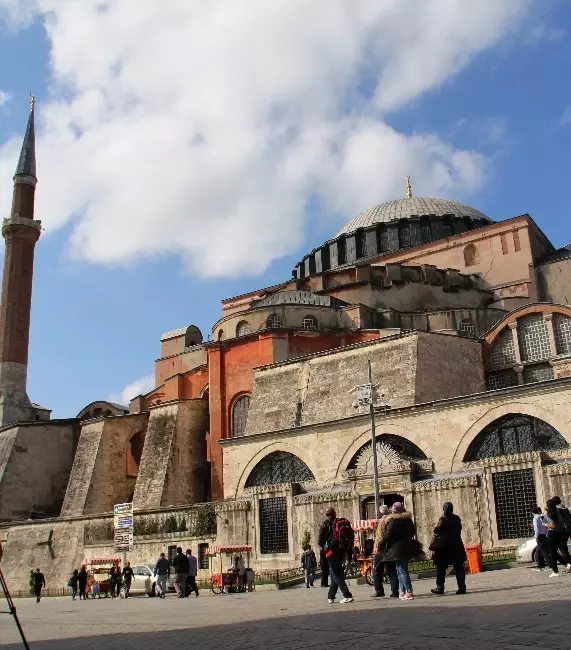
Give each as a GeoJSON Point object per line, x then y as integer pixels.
{"type": "Point", "coordinates": [408, 187]}
{"type": "Point", "coordinates": [32, 102]}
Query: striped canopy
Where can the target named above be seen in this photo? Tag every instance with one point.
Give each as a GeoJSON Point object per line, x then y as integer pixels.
{"type": "Point", "coordinates": [232, 548]}
{"type": "Point", "coordinates": [364, 524]}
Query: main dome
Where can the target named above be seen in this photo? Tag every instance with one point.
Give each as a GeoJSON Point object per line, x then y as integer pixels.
{"type": "Point", "coordinates": [406, 208]}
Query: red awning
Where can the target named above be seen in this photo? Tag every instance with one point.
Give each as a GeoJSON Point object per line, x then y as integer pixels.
{"type": "Point", "coordinates": [233, 548]}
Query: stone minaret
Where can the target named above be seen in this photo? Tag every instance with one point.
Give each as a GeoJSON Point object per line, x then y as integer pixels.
{"type": "Point", "coordinates": [21, 233]}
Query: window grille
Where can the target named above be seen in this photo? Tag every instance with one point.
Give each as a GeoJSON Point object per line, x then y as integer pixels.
{"type": "Point", "coordinates": [171, 554]}
{"type": "Point", "coordinates": [470, 255]}
{"type": "Point", "coordinates": [240, 415]}
{"type": "Point", "coordinates": [514, 434]}
{"type": "Point", "coordinates": [273, 526]}
{"type": "Point", "coordinates": [502, 354]}
{"type": "Point", "coordinates": [514, 494]}
{"type": "Point", "coordinates": [384, 241]}
{"type": "Point", "coordinates": [517, 244]}
{"type": "Point", "coordinates": [562, 331]}
{"type": "Point", "coordinates": [404, 236]}
{"type": "Point", "coordinates": [425, 233]}
{"type": "Point", "coordinates": [467, 328]}
{"type": "Point", "coordinates": [243, 328]}
{"type": "Point", "coordinates": [446, 230]}
{"type": "Point", "coordinates": [309, 323]}
{"type": "Point", "coordinates": [274, 321]}
{"type": "Point", "coordinates": [203, 562]}
{"type": "Point", "coordinates": [539, 372]}
{"type": "Point", "coordinates": [502, 379]}
{"type": "Point", "coordinates": [279, 467]}
{"type": "Point", "coordinates": [533, 338]}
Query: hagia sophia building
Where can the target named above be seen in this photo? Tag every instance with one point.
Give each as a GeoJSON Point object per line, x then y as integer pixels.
{"type": "Point", "coordinates": [248, 437]}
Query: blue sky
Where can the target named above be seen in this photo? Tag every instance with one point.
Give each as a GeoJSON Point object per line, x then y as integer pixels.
{"type": "Point", "coordinates": [111, 277]}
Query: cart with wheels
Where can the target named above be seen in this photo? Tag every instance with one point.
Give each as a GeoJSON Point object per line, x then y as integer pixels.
{"type": "Point", "coordinates": [233, 580]}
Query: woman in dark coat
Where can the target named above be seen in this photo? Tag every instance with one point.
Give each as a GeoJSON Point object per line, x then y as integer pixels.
{"type": "Point", "coordinates": [399, 546]}
{"type": "Point", "coordinates": [82, 583]}
{"type": "Point", "coordinates": [448, 549]}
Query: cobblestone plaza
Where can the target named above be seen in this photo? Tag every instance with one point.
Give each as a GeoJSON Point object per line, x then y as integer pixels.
{"type": "Point", "coordinates": [514, 608]}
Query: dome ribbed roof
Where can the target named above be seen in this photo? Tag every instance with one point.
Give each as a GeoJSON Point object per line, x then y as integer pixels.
{"type": "Point", "coordinates": [405, 208]}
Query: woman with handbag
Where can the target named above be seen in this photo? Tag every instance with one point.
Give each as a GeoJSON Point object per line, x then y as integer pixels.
{"type": "Point", "coordinates": [399, 546]}
{"type": "Point", "coordinates": [448, 549]}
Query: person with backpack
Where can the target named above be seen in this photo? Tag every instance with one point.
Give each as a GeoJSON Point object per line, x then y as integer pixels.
{"type": "Point", "coordinates": [338, 549]}
{"type": "Point", "coordinates": [309, 564]}
{"type": "Point", "coordinates": [325, 533]}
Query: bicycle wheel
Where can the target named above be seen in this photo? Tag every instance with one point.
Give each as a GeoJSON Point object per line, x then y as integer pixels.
{"type": "Point", "coordinates": [216, 584]}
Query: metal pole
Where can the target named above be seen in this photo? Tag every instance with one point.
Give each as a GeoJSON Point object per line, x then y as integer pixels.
{"type": "Point", "coordinates": [374, 445]}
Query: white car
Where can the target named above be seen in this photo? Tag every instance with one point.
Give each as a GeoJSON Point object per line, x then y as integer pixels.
{"type": "Point", "coordinates": [144, 582]}
{"type": "Point", "coordinates": [526, 552]}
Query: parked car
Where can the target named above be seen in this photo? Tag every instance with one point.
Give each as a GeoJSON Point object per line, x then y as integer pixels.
{"type": "Point", "coordinates": [526, 552]}
{"type": "Point", "coordinates": [144, 581]}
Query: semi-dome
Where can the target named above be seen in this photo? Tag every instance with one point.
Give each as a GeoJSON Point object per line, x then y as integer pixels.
{"type": "Point", "coordinates": [408, 207]}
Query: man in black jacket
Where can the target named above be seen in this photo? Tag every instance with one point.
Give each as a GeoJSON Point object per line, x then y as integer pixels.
{"type": "Point", "coordinates": [325, 534]}
{"type": "Point", "coordinates": [180, 564]}
{"type": "Point", "coordinates": [564, 530]}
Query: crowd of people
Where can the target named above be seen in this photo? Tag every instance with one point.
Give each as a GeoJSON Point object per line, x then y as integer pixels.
{"type": "Point", "coordinates": [394, 547]}
{"type": "Point", "coordinates": [551, 531]}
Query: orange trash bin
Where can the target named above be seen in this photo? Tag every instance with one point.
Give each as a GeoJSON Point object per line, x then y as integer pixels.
{"type": "Point", "coordinates": [474, 554]}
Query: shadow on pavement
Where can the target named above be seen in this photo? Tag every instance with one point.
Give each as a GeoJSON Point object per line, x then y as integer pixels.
{"type": "Point", "coordinates": [401, 625]}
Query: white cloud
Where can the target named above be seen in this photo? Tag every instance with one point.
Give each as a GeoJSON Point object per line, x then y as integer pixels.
{"type": "Point", "coordinates": [140, 386]}
{"type": "Point", "coordinates": [4, 97]}
{"type": "Point", "coordinates": [203, 128]}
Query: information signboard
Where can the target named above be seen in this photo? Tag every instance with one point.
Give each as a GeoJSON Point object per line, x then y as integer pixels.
{"type": "Point", "coordinates": [123, 527]}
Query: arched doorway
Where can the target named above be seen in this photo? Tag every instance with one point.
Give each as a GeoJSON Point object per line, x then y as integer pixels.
{"type": "Point", "coordinates": [514, 489]}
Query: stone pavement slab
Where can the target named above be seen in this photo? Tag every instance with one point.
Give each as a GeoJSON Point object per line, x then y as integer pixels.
{"type": "Point", "coordinates": [515, 608]}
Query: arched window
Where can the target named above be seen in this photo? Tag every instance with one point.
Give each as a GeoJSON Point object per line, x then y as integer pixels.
{"type": "Point", "coordinates": [467, 328]}
{"type": "Point", "coordinates": [134, 453]}
{"type": "Point", "coordinates": [533, 338]}
{"type": "Point", "coordinates": [279, 467]}
{"type": "Point", "coordinates": [383, 240]}
{"type": "Point", "coordinates": [471, 256]}
{"type": "Point", "coordinates": [502, 354]}
{"type": "Point", "coordinates": [240, 409]}
{"type": "Point", "coordinates": [309, 323]}
{"type": "Point", "coordinates": [243, 328]}
{"type": "Point", "coordinates": [425, 232]}
{"type": "Point", "coordinates": [514, 434]}
{"type": "Point", "coordinates": [274, 321]}
{"type": "Point", "coordinates": [562, 331]}
{"type": "Point", "coordinates": [220, 335]}
{"type": "Point", "coordinates": [404, 236]}
{"type": "Point", "coordinates": [390, 449]}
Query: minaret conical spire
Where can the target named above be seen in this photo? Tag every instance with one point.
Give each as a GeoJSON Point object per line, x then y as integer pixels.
{"type": "Point", "coordinates": [27, 161]}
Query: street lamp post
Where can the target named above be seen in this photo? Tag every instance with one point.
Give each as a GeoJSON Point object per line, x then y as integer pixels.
{"type": "Point", "coordinates": [374, 444]}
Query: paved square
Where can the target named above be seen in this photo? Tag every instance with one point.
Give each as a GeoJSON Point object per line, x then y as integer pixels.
{"type": "Point", "coordinates": [515, 608]}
